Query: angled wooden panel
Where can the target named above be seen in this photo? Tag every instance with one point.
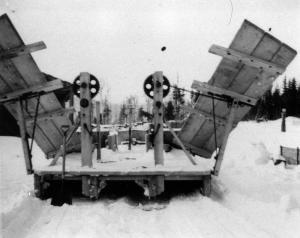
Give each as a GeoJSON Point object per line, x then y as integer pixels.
{"type": "Point", "coordinates": [239, 78]}
{"type": "Point", "coordinates": [20, 73]}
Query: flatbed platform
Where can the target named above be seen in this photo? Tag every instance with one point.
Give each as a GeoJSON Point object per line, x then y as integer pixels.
{"type": "Point", "coordinates": [126, 165]}
{"type": "Point", "coordinates": [133, 162]}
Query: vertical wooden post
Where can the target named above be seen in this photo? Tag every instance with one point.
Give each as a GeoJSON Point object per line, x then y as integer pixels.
{"type": "Point", "coordinates": [86, 117]}
{"type": "Point", "coordinates": [228, 127]}
{"type": "Point", "coordinates": [157, 184]}
{"type": "Point", "coordinates": [64, 130]}
{"type": "Point", "coordinates": [24, 137]}
{"type": "Point", "coordinates": [98, 131]}
{"type": "Point", "coordinates": [283, 115]}
{"type": "Point", "coordinates": [158, 118]}
{"type": "Point", "coordinates": [129, 122]}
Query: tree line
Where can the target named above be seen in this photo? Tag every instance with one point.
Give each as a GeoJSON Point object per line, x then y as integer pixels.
{"type": "Point", "coordinates": [270, 106]}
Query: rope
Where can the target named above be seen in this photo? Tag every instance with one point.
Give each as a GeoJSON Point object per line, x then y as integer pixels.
{"type": "Point", "coordinates": [34, 121]}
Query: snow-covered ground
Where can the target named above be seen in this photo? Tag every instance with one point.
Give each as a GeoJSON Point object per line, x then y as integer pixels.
{"type": "Point", "coordinates": [251, 197]}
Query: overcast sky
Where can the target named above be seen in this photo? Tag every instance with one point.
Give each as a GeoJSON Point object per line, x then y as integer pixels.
{"type": "Point", "coordinates": [120, 41]}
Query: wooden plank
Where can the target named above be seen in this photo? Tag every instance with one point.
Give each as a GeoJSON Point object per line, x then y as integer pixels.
{"type": "Point", "coordinates": [122, 173]}
{"type": "Point", "coordinates": [246, 59]}
{"type": "Point", "coordinates": [21, 50]}
{"type": "Point", "coordinates": [61, 112]}
{"type": "Point", "coordinates": [86, 120]}
{"type": "Point", "coordinates": [206, 88]}
{"type": "Point", "coordinates": [38, 89]}
{"type": "Point", "coordinates": [24, 138]}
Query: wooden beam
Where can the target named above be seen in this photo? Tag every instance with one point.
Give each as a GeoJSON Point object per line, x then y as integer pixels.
{"type": "Point", "coordinates": [246, 59]}
{"type": "Point", "coordinates": [24, 138]}
{"type": "Point", "coordinates": [227, 131]}
{"type": "Point", "coordinates": [21, 50]}
{"type": "Point", "coordinates": [205, 88]}
{"type": "Point", "coordinates": [86, 120]}
{"type": "Point", "coordinates": [157, 184]}
{"type": "Point", "coordinates": [158, 118]}
{"type": "Point", "coordinates": [42, 89]}
{"type": "Point", "coordinates": [219, 120]}
{"type": "Point", "coordinates": [61, 112]}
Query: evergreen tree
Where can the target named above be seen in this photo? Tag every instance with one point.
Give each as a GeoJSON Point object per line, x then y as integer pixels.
{"type": "Point", "coordinates": [271, 104]}
{"type": "Point", "coordinates": [178, 97]}
{"type": "Point", "coordinates": [169, 111]}
{"type": "Point", "coordinates": [122, 115]}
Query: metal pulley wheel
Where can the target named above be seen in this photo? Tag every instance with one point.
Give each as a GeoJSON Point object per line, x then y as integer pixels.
{"type": "Point", "coordinates": [94, 86]}
{"type": "Point", "coordinates": [149, 86]}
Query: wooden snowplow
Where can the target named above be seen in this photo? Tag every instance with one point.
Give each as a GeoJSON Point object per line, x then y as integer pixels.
{"type": "Point", "coordinates": [247, 70]}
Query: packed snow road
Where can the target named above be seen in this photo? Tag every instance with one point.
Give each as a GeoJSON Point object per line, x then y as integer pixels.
{"type": "Point", "coordinates": [251, 197]}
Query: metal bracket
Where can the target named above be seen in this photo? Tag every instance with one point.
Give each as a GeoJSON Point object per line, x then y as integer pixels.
{"type": "Point", "coordinates": [246, 59]}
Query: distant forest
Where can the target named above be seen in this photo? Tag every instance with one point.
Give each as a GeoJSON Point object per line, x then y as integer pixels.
{"type": "Point", "coordinates": [270, 106]}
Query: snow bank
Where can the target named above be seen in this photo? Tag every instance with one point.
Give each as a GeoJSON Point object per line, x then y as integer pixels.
{"type": "Point", "coordinates": [251, 197]}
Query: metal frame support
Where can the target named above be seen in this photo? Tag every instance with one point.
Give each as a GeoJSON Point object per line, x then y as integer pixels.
{"type": "Point", "coordinates": [24, 138]}
{"type": "Point", "coordinates": [86, 120]}
{"type": "Point", "coordinates": [228, 127]}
